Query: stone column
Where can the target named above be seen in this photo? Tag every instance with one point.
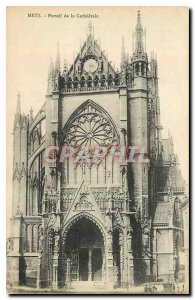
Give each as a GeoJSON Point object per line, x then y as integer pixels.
{"type": "Point", "coordinates": [55, 260]}
{"type": "Point", "coordinates": [90, 265]}
{"type": "Point", "coordinates": [38, 270]}
{"type": "Point", "coordinates": [103, 267]}
{"type": "Point", "coordinates": [122, 258]}
{"type": "Point", "coordinates": [172, 257]}
{"type": "Point", "coordinates": [155, 255]}
{"type": "Point", "coordinates": [68, 279]}
{"type": "Point", "coordinates": [110, 268]}
{"type": "Point", "coordinates": [130, 264]}
{"type": "Point", "coordinates": [55, 270]}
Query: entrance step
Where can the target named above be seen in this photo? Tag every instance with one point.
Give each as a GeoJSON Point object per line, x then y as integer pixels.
{"type": "Point", "coordinates": [87, 285]}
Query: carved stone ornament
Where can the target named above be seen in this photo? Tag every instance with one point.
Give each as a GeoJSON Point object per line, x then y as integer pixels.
{"type": "Point", "coordinates": [52, 220]}
{"type": "Point", "coordinates": [146, 228]}
{"type": "Point", "coordinates": [118, 218]}
{"type": "Point", "coordinates": [56, 241]}
{"type": "Point", "coordinates": [19, 172]}
{"type": "Point", "coordinates": [109, 238]}
{"type": "Point", "coordinates": [129, 231]}
{"type": "Point", "coordinates": [84, 203]}
{"type": "Point", "coordinates": [41, 240]}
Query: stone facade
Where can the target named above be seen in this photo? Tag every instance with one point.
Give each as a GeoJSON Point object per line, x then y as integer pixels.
{"type": "Point", "coordinates": [114, 223]}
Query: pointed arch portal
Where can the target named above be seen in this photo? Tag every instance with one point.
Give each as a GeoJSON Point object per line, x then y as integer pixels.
{"type": "Point", "coordinates": [83, 251]}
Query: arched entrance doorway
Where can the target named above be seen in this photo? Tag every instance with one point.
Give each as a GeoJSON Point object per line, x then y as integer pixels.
{"type": "Point", "coordinates": [83, 252]}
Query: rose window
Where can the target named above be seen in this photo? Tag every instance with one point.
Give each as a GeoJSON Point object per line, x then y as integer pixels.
{"type": "Point", "coordinates": [90, 128]}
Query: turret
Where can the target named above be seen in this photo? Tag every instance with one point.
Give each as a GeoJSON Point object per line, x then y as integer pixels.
{"type": "Point", "coordinates": [20, 160]}
{"type": "Point", "coordinates": [123, 63]}
{"type": "Point", "coordinates": [50, 84]}
{"type": "Point", "coordinates": [139, 58]}
{"type": "Point", "coordinates": [57, 62]}
{"type": "Point", "coordinates": [138, 121]}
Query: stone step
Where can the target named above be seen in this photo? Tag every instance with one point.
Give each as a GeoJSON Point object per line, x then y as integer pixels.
{"type": "Point", "coordinates": [86, 285]}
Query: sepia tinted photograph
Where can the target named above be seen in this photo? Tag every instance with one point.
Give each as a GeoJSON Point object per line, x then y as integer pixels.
{"type": "Point", "coordinates": [97, 150]}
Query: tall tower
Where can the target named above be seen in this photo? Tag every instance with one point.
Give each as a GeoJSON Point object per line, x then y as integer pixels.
{"type": "Point", "coordinates": [19, 161]}
{"type": "Point", "coordinates": [19, 194]}
{"type": "Point", "coordinates": [138, 137]}
{"type": "Point", "coordinates": [138, 120]}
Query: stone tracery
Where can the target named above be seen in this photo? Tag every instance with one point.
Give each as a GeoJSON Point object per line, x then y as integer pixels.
{"type": "Point", "coordinates": [90, 127]}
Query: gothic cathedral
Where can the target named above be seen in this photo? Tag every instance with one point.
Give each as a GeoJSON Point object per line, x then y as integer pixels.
{"type": "Point", "coordinates": [110, 222]}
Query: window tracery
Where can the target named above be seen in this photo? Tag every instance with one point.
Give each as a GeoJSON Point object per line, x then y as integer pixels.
{"type": "Point", "coordinates": [90, 127]}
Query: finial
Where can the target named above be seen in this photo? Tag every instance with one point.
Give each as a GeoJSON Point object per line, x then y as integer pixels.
{"type": "Point", "coordinates": [138, 17]}
{"type": "Point", "coordinates": [139, 35]}
{"type": "Point", "coordinates": [123, 56]}
{"type": "Point", "coordinates": [18, 117]}
{"type": "Point", "coordinates": [31, 115]}
{"type": "Point", "coordinates": [50, 68]}
{"type": "Point", "coordinates": [18, 108]}
{"type": "Point", "coordinates": [65, 67]}
{"type": "Point", "coordinates": [80, 46]}
{"type": "Point", "coordinates": [90, 28]}
{"type": "Point", "coordinates": [18, 94]}
{"type": "Point", "coordinates": [57, 64]}
{"type": "Point", "coordinates": [100, 42]}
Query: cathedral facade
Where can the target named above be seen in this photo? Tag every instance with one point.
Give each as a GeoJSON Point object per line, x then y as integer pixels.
{"type": "Point", "coordinates": [82, 213]}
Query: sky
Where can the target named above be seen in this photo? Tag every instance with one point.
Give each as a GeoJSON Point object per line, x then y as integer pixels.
{"type": "Point", "coordinates": [31, 41]}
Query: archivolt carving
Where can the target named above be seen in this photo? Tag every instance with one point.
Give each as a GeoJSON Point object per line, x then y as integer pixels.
{"type": "Point", "coordinates": [77, 218]}
{"type": "Point", "coordinates": [83, 204]}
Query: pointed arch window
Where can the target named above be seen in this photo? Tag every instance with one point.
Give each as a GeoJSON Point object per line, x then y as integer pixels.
{"type": "Point", "coordinates": [96, 80]}
{"type": "Point", "coordinates": [90, 126]}
{"type": "Point", "coordinates": [117, 81]}
{"type": "Point", "coordinates": [82, 81]}
{"type": "Point", "coordinates": [76, 82]}
{"type": "Point", "coordinates": [103, 80]}
{"type": "Point", "coordinates": [69, 83]}
{"type": "Point", "coordinates": [137, 69]}
{"type": "Point", "coordinates": [89, 81]}
{"type": "Point", "coordinates": [36, 185]}
{"type": "Point", "coordinates": [110, 80]}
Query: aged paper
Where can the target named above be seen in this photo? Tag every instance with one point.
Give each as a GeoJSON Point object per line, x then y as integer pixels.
{"type": "Point", "coordinates": [97, 150]}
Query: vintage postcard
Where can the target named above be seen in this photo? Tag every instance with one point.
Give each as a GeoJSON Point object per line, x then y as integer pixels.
{"type": "Point", "coordinates": [97, 150]}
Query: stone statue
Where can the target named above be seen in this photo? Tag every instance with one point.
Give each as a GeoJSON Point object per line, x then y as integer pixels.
{"type": "Point", "coordinates": [109, 238]}
{"type": "Point", "coordinates": [129, 231]}
{"type": "Point", "coordinates": [41, 240]}
{"type": "Point", "coordinates": [56, 241]}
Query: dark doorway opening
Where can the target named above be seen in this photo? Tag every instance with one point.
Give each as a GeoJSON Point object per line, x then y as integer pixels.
{"type": "Point", "coordinates": [83, 264]}
{"type": "Point", "coordinates": [97, 264]}
{"type": "Point", "coordinates": [84, 249]}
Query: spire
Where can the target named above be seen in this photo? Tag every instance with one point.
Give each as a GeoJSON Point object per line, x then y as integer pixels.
{"type": "Point", "coordinates": [17, 121]}
{"type": "Point", "coordinates": [139, 35]}
{"type": "Point", "coordinates": [123, 55]}
{"type": "Point", "coordinates": [50, 73]}
{"type": "Point", "coordinates": [18, 107]}
{"type": "Point", "coordinates": [65, 67]}
{"type": "Point", "coordinates": [90, 28]}
{"type": "Point", "coordinates": [31, 115]}
{"type": "Point", "coordinates": [57, 64]}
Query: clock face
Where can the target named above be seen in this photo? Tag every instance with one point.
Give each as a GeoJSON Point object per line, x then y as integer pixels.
{"type": "Point", "coordinates": [90, 65]}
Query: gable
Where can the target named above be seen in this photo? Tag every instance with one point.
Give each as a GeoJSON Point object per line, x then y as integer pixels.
{"type": "Point", "coordinates": [90, 51]}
